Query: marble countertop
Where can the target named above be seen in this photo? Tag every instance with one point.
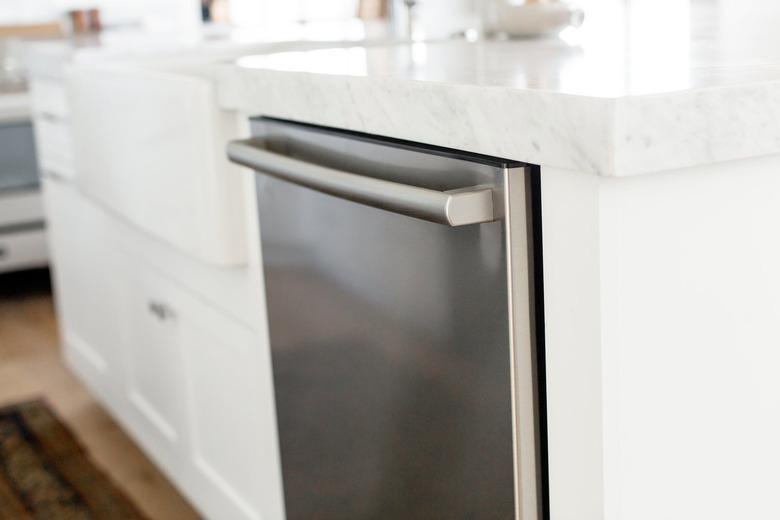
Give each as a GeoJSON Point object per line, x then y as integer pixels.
{"type": "Point", "coordinates": [49, 58]}
{"type": "Point", "coordinates": [643, 86]}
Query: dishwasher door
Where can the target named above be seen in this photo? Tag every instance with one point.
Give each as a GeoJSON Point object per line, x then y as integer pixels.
{"type": "Point", "coordinates": [396, 326]}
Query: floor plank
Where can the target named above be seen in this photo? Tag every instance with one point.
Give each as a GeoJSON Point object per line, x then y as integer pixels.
{"type": "Point", "coordinates": [31, 367]}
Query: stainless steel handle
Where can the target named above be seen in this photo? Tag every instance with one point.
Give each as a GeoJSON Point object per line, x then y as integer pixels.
{"type": "Point", "coordinates": [472, 205]}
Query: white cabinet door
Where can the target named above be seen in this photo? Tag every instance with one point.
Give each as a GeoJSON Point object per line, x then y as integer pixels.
{"type": "Point", "coordinates": [53, 137]}
{"type": "Point", "coordinates": [234, 446]}
{"type": "Point", "coordinates": [88, 289]}
{"type": "Point", "coordinates": [155, 385]}
{"type": "Point", "coordinates": [142, 321]}
{"type": "Point", "coordinates": [200, 392]}
{"type": "Point", "coordinates": [190, 382]}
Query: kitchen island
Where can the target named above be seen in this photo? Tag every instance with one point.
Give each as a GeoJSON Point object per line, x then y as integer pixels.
{"type": "Point", "coordinates": [657, 154]}
{"type": "Point", "coordinates": [157, 280]}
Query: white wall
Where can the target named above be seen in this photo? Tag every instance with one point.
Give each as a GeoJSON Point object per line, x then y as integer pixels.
{"type": "Point", "coordinates": [152, 13]}
{"type": "Point", "coordinates": [437, 18]}
{"type": "Point", "coordinates": [259, 13]}
{"type": "Point", "coordinates": [443, 18]}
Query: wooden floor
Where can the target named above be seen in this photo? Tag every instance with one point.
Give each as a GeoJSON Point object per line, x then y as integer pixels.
{"type": "Point", "coordinates": [30, 367]}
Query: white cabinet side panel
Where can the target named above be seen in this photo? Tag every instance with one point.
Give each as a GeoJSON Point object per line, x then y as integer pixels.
{"type": "Point", "coordinates": [570, 221]}
{"type": "Point", "coordinates": [691, 295]}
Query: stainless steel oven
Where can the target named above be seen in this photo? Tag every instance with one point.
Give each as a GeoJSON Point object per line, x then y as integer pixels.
{"type": "Point", "coordinates": [399, 281]}
{"type": "Point", "coordinates": [22, 228]}
{"type": "Point", "coordinates": [18, 163]}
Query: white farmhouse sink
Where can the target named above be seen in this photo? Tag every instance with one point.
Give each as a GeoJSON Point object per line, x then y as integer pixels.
{"type": "Point", "coordinates": [149, 143]}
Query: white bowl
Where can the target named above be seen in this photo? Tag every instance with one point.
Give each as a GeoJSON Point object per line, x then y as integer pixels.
{"type": "Point", "coordinates": [535, 19]}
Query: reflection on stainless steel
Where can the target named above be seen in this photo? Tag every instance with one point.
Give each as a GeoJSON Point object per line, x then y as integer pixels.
{"type": "Point", "coordinates": [391, 342]}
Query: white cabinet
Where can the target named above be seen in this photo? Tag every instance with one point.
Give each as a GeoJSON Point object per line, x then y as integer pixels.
{"type": "Point", "coordinates": [159, 302]}
{"type": "Point", "coordinates": [55, 147]}
{"type": "Point", "coordinates": [233, 441]}
{"type": "Point", "coordinates": [53, 136]}
{"type": "Point", "coordinates": [154, 373]}
{"type": "Point", "coordinates": [190, 381]}
{"type": "Point", "coordinates": [199, 387]}
{"type": "Point", "coordinates": [49, 99]}
{"type": "Point", "coordinates": [89, 288]}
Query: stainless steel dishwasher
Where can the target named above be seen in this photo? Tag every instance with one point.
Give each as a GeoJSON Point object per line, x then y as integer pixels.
{"type": "Point", "coordinates": [402, 325]}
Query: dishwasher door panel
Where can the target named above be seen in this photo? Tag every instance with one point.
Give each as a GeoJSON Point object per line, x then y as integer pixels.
{"type": "Point", "coordinates": [390, 344]}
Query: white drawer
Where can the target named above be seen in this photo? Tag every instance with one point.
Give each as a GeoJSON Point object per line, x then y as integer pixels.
{"type": "Point", "coordinates": [22, 249]}
{"type": "Point", "coordinates": [20, 206]}
{"type": "Point", "coordinates": [55, 146]}
{"type": "Point", "coordinates": [49, 99]}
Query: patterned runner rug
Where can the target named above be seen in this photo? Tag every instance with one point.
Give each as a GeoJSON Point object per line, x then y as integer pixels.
{"type": "Point", "coordinates": [46, 474]}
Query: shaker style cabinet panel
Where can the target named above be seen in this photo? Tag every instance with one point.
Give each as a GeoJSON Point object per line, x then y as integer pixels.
{"type": "Point", "coordinates": [88, 282]}
{"type": "Point", "coordinates": [55, 147]}
{"type": "Point", "coordinates": [190, 382]}
{"type": "Point", "coordinates": [200, 398]}
{"type": "Point", "coordinates": [49, 99]}
{"type": "Point", "coordinates": [53, 137]}
{"type": "Point", "coordinates": [155, 375]}
{"type": "Point", "coordinates": [233, 427]}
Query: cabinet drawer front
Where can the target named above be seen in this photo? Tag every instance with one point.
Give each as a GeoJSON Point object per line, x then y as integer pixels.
{"type": "Point", "coordinates": [49, 99]}
{"type": "Point", "coordinates": [20, 207]}
{"type": "Point", "coordinates": [199, 384]}
{"type": "Point", "coordinates": [55, 147]}
{"type": "Point", "coordinates": [190, 383]}
{"type": "Point", "coordinates": [22, 247]}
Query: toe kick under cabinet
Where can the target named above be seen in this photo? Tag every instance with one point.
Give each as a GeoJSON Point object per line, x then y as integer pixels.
{"type": "Point", "coordinates": [186, 379]}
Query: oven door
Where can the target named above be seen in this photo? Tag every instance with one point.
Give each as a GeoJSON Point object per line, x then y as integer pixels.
{"type": "Point", "coordinates": [18, 164]}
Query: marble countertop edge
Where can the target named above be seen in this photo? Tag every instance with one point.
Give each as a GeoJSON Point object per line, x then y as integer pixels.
{"type": "Point", "coordinates": [617, 136]}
